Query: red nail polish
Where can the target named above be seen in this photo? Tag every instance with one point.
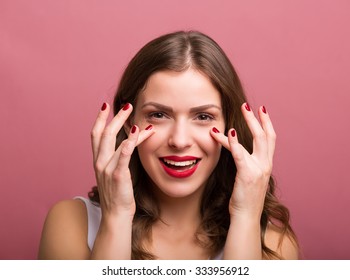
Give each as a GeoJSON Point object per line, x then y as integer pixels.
{"type": "Point", "coordinates": [263, 109]}
{"type": "Point", "coordinates": [149, 127]}
{"type": "Point", "coordinates": [104, 106]}
{"type": "Point", "coordinates": [126, 106]}
{"type": "Point", "coordinates": [233, 133]}
{"type": "Point", "coordinates": [215, 130]}
{"type": "Point", "coordinates": [247, 107]}
{"type": "Point", "coordinates": [133, 129]}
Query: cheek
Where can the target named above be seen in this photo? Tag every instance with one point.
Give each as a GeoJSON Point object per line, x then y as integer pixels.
{"type": "Point", "coordinates": [147, 146]}
{"type": "Point", "coordinates": [207, 143]}
{"type": "Point", "coordinates": [151, 144]}
{"type": "Point", "coordinates": [141, 123]}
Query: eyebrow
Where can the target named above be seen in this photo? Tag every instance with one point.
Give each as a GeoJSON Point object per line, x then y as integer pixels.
{"type": "Point", "coordinates": [169, 109]}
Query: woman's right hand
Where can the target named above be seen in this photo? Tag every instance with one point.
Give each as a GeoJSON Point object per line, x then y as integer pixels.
{"type": "Point", "coordinates": [112, 166]}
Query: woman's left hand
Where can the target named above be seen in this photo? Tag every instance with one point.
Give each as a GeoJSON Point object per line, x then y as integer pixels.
{"type": "Point", "coordinates": [253, 170]}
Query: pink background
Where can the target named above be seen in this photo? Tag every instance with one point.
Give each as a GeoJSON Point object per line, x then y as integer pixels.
{"type": "Point", "coordinates": [60, 60]}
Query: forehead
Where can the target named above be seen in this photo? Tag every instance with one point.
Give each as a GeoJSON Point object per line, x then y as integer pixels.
{"type": "Point", "coordinates": [187, 88]}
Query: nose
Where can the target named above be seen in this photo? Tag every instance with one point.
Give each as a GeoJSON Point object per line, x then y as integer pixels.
{"type": "Point", "coordinates": [180, 136]}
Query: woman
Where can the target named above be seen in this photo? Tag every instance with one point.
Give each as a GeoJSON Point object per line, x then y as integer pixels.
{"type": "Point", "coordinates": [188, 175]}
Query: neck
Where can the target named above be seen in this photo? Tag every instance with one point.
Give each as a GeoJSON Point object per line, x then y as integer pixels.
{"type": "Point", "coordinates": [180, 211]}
{"type": "Point", "coordinates": [175, 232]}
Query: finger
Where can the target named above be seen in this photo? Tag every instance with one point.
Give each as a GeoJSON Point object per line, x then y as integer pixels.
{"type": "Point", "coordinates": [98, 128]}
{"type": "Point", "coordinates": [124, 146]}
{"type": "Point", "coordinates": [231, 143]}
{"type": "Point", "coordinates": [121, 159]}
{"type": "Point", "coordinates": [220, 138]}
{"type": "Point", "coordinates": [269, 131]}
{"type": "Point", "coordinates": [237, 150]}
{"type": "Point", "coordinates": [108, 137]}
{"type": "Point", "coordinates": [145, 134]}
{"type": "Point", "coordinates": [259, 136]}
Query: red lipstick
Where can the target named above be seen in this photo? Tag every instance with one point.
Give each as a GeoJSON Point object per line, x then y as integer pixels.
{"type": "Point", "coordinates": [177, 158]}
{"type": "Point", "coordinates": [179, 171]}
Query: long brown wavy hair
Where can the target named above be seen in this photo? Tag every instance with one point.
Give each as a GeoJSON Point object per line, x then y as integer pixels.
{"type": "Point", "coordinates": [178, 52]}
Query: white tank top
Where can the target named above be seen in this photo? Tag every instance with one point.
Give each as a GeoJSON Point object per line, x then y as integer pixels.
{"type": "Point", "coordinates": [94, 220]}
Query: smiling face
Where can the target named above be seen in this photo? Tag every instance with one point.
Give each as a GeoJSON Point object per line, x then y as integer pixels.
{"type": "Point", "coordinates": [183, 107]}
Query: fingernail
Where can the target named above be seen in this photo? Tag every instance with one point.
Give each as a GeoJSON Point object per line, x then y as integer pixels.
{"type": "Point", "coordinates": [126, 106]}
{"type": "Point", "coordinates": [233, 133]}
{"type": "Point", "coordinates": [247, 107]}
{"type": "Point", "coordinates": [215, 130]}
{"type": "Point", "coordinates": [149, 127]}
{"type": "Point", "coordinates": [264, 109]}
{"type": "Point", "coordinates": [133, 129]}
{"type": "Point", "coordinates": [104, 106]}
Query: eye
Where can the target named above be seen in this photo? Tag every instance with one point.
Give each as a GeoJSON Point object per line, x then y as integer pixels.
{"type": "Point", "coordinates": [156, 115]}
{"type": "Point", "coordinates": [204, 117]}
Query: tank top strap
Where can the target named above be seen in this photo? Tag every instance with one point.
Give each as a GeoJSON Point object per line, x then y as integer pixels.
{"type": "Point", "coordinates": [94, 219]}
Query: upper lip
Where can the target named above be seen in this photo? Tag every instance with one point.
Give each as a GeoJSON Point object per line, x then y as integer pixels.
{"type": "Point", "coordinates": [180, 158]}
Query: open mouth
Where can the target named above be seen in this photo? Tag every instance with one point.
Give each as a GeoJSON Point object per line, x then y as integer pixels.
{"type": "Point", "coordinates": [179, 167]}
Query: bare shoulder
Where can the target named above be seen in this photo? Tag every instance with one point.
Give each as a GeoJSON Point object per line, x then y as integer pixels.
{"type": "Point", "coordinates": [284, 245]}
{"type": "Point", "coordinates": [64, 235]}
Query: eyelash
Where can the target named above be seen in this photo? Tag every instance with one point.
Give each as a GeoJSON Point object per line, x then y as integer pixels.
{"type": "Point", "coordinates": [207, 116]}
{"type": "Point", "coordinates": [153, 115]}
{"type": "Point", "coordinates": [199, 116]}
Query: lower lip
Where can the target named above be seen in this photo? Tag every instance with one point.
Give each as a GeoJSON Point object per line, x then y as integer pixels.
{"type": "Point", "coordinates": [177, 173]}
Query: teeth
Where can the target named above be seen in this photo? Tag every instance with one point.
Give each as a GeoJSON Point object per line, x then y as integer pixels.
{"type": "Point", "coordinates": [180, 163]}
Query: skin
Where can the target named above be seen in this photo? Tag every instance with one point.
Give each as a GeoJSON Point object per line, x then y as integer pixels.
{"type": "Point", "coordinates": [181, 129]}
{"type": "Point", "coordinates": [182, 107]}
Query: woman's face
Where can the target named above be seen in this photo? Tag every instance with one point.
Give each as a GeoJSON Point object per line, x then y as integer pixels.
{"type": "Point", "coordinates": [182, 107]}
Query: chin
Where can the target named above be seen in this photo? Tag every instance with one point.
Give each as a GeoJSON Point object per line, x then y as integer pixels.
{"type": "Point", "coordinates": [179, 190]}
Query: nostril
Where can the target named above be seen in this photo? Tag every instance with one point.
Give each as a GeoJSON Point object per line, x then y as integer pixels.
{"type": "Point", "coordinates": [180, 135]}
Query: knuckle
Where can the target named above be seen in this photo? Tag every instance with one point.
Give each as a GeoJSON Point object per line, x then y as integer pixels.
{"type": "Point", "coordinates": [266, 172]}
{"type": "Point", "coordinates": [95, 133]}
{"type": "Point", "coordinates": [259, 173]}
{"type": "Point", "coordinates": [107, 173]}
{"type": "Point", "coordinates": [127, 148]}
{"type": "Point", "coordinates": [107, 132]}
{"type": "Point", "coordinates": [273, 136]}
{"type": "Point", "coordinates": [237, 153]}
{"type": "Point", "coordinates": [99, 168]}
{"type": "Point", "coordinates": [261, 136]}
{"type": "Point", "coordinates": [117, 175]}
